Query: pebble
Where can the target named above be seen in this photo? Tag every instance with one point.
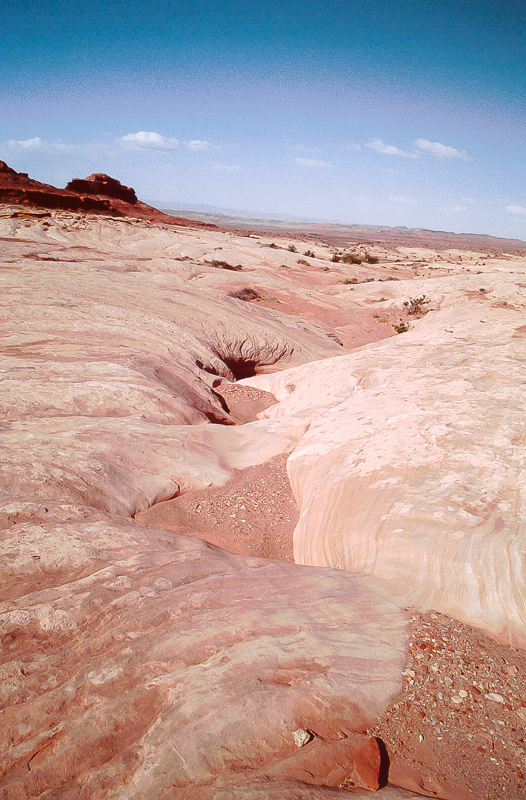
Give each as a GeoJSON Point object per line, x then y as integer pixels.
{"type": "Point", "coordinates": [302, 737]}
{"type": "Point", "coordinates": [497, 698]}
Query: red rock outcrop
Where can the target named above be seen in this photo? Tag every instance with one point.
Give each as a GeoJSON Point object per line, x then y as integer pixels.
{"type": "Point", "coordinates": [97, 194]}
{"type": "Point", "coordinates": [137, 665]}
{"type": "Point", "coordinates": [18, 189]}
{"type": "Point", "coordinates": [99, 183]}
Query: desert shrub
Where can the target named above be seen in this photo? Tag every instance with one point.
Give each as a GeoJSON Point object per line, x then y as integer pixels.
{"type": "Point", "coordinates": [309, 253]}
{"type": "Point", "coordinates": [335, 259]}
{"type": "Point", "coordinates": [302, 261]}
{"type": "Point", "coordinates": [273, 246]}
{"type": "Point", "coordinates": [415, 305]}
{"type": "Point", "coordinates": [401, 326]}
{"type": "Point", "coordinates": [246, 293]}
{"type": "Point", "coordinates": [369, 259]}
{"type": "Point", "coordinates": [225, 265]}
{"type": "Point", "coordinates": [351, 258]}
{"type": "Point", "coordinates": [350, 280]}
{"type": "Point", "coordinates": [292, 248]}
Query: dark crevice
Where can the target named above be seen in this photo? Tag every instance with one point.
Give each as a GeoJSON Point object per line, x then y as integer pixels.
{"type": "Point", "coordinates": [206, 368]}
{"type": "Point", "coordinates": [241, 368]}
{"type": "Point", "coordinates": [383, 774]}
{"type": "Point", "coordinates": [221, 400]}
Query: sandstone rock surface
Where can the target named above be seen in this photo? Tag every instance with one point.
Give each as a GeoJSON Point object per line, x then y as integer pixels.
{"type": "Point", "coordinates": [405, 457]}
{"type": "Point", "coordinates": [134, 662]}
{"type": "Point", "coordinates": [412, 468]}
{"type": "Point", "coordinates": [140, 665]}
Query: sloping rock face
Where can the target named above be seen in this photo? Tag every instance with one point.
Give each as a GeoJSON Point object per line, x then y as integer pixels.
{"type": "Point", "coordinates": [121, 642]}
{"type": "Point", "coordinates": [106, 366]}
{"type": "Point", "coordinates": [135, 663]}
{"type": "Point", "coordinates": [412, 469]}
{"type": "Point", "coordinates": [141, 666]}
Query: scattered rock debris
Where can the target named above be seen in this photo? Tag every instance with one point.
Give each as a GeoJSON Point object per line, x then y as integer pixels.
{"type": "Point", "coordinates": [460, 721]}
{"type": "Point", "coordinates": [254, 514]}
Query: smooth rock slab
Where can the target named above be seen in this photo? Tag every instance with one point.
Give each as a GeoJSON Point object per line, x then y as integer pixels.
{"type": "Point", "coordinates": [136, 663]}
{"type": "Point", "coordinates": [412, 469]}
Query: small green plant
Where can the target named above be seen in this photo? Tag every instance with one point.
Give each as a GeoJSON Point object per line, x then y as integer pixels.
{"type": "Point", "coordinates": [415, 306]}
{"type": "Point", "coordinates": [401, 326]}
{"type": "Point", "coordinates": [309, 253]}
{"type": "Point", "coordinates": [292, 248]}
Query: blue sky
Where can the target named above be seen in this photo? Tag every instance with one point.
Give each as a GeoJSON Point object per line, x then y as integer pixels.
{"type": "Point", "coordinates": [406, 113]}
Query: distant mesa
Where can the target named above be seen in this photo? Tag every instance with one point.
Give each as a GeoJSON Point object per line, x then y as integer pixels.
{"type": "Point", "coordinates": [99, 183]}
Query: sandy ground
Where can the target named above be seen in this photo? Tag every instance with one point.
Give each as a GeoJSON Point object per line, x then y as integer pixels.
{"type": "Point", "coordinates": [254, 514]}
{"type": "Point", "coordinates": [458, 727]}
{"type": "Point", "coordinates": [457, 730]}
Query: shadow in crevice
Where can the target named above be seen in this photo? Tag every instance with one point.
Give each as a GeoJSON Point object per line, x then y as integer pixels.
{"type": "Point", "coordinates": [385, 762]}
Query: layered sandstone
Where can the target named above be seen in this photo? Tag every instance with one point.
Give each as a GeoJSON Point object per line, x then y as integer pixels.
{"type": "Point", "coordinates": [139, 663]}
{"type": "Point", "coordinates": [412, 467]}
{"type": "Point", "coordinates": [96, 194]}
{"type": "Point", "coordinates": [135, 662]}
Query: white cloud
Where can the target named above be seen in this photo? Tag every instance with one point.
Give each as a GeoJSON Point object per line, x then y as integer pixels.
{"type": "Point", "coordinates": [26, 144]}
{"type": "Point", "coordinates": [389, 149]}
{"type": "Point", "coordinates": [200, 144]}
{"type": "Point", "coordinates": [312, 163]}
{"type": "Point", "coordinates": [518, 210]}
{"type": "Point", "coordinates": [442, 151]}
{"type": "Point", "coordinates": [227, 168]}
{"type": "Point", "coordinates": [150, 140]}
